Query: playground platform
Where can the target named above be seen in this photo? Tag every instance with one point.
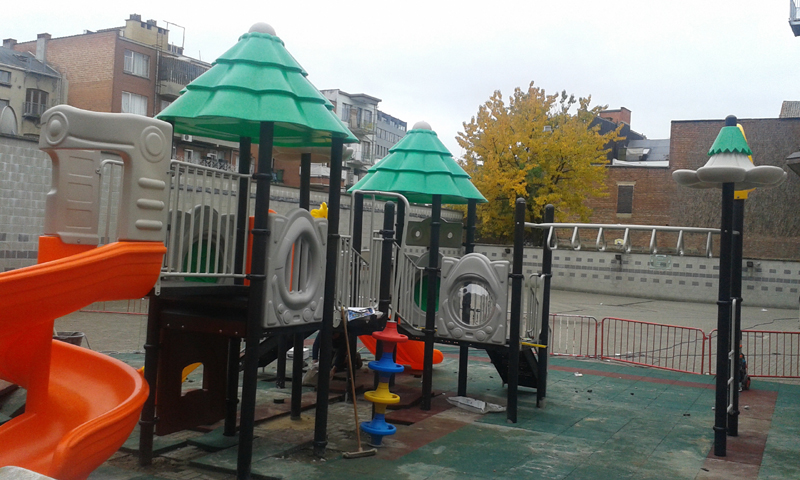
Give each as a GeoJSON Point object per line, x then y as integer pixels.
{"type": "Point", "coordinates": [602, 419]}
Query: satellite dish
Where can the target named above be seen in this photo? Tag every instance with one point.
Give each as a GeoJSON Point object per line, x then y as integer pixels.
{"type": "Point", "coordinates": [8, 121]}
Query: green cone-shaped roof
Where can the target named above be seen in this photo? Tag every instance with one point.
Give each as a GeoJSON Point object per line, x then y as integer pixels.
{"type": "Point", "coordinates": [730, 140]}
{"type": "Point", "coordinates": [256, 81]}
{"type": "Point", "coordinates": [420, 166]}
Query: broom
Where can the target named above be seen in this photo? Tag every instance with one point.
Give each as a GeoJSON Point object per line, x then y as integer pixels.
{"type": "Point", "coordinates": [361, 452]}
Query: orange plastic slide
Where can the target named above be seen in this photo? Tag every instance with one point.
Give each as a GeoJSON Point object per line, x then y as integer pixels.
{"type": "Point", "coordinates": [81, 405]}
{"type": "Point", "coordinates": [408, 353]}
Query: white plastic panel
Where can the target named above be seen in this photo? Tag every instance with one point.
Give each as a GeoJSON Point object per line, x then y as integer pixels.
{"type": "Point", "coordinates": [473, 299]}
{"type": "Point", "coordinates": [296, 269]}
{"type": "Point", "coordinates": [143, 144]}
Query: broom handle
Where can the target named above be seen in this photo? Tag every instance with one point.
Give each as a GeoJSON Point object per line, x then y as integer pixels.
{"type": "Point", "coordinates": [352, 376]}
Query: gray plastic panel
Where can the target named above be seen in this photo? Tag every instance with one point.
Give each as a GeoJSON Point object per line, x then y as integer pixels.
{"type": "Point", "coordinates": [144, 145]}
{"type": "Point", "coordinates": [72, 209]}
{"type": "Point", "coordinates": [296, 269]}
{"type": "Point", "coordinates": [473, 299]}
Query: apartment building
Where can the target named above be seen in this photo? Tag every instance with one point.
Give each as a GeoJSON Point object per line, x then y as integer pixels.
{"type": "Point", "coordinates": [28, 87]}
{"type": "Point", "coordinates": [130, 69]}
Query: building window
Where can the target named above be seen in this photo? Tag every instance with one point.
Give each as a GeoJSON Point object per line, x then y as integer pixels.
{"type": "Point", "coordinates": [346, 113]}
{"type": "Point", "coordinates": [137, 64]}
{"type": "Point", "coordinates": [164, 104]}
{"type": "Point", "coordinates": [624, 199]}
{"type": "Point", "coordinates": [5, 77]}
{"type": "Point", "coordinates": [188, 155]}
{"type": "Point", "coordinates": [132, 103]}
{"type": "Point", "coordinates": [35, 102]}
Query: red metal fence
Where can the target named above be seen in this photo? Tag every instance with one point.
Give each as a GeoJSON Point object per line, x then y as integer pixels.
{"type": "Point", "coordinates": [132, 307]}
{"type": "Point", "coordinates": [671, 347]}
{"type": "Point", "coordinates": [768, 353]}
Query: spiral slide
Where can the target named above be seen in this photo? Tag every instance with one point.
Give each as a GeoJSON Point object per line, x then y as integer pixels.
{"type": "Point", "coordinates": [81, 405]}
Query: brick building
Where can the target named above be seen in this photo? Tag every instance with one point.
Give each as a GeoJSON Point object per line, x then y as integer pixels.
{"type": "Point", "coordinates": [130, 69]}
{"type": "Point", "coordinates": [649, 196]}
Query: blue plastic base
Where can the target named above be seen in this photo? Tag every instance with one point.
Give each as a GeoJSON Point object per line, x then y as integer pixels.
{"type": "Point", "coordinates": [378, 428]}
{"type": "Point", "coordinates": [386, 365]}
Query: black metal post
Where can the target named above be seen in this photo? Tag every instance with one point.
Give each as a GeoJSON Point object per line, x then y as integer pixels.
{"type": "Point", "coordinates": [516, 311]}
{"type": "Point", "coordinates": [385, 282]}
{"type": "Point", "coordinates": [463, 348]}
{"type": "Point", "coordinates": [430, 314]}
{"type": "Point", "coordinates": [243, 202]}
{"type": "Point", "coordinates": [305, 181]}
{"type": "Point", "coordinates": [298, 338]}
{"type": "Point", "coordinates": [147, 422]}
{"type": "Point", "coordinates": [723, 322]}
{"type": "Point", "coordinates": [356, 241]}
{"type": "Point", "coordinates": [232, 387]}
{"type": "Point", "coordinates": [400, 223]}
{"type": "Point", "coordinates": [234, 344]}
{"type": "Point", "coordinates": [326, 330]}
{"type": "Point", "coordinates": [736, 294]}
{"type": "Point", "coordinates": [257, 298]}
{"type": "Point", "coordinates": [280, 370]}
{"type": "Point", "coordinates": [544, 336]}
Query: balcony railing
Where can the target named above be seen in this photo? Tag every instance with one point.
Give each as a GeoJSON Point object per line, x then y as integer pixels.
{"type": "Point", "coordinates": [31, 109]}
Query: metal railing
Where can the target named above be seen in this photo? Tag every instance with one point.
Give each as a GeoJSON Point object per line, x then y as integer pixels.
{"type": "Point", "coordinates": [669, 347]}
{"type": "Point", "coordinates": [769, 354]}
{"type": "Point", "coordinates": [203, 216]}
{"type": "Point", "coordinates": [573, 335]}
{"type": "Point", "coordinates": [627, 242]}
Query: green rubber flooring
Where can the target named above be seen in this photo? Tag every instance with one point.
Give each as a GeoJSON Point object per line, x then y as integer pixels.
{"type": "Point", "coordinates": [601, 420]}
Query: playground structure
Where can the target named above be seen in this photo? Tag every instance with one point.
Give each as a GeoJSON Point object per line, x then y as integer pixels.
{"type": "Point", "coordinates": [231, 271]}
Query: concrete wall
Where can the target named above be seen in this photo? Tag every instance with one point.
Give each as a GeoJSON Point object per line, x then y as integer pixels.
{"type": "Point", "coordinates": [25, 173]}
{"type": "Point", "coordinates": [766, 283]}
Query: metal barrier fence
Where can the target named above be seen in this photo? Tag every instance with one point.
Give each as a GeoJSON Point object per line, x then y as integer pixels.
{"type": "Point", "coordinates": [668, 347]}
{"type": "Point", "coordinates": [573, 335]}
{"type": "Point", "coordinates": [768, 353]}
{"type": "Point", "coordinates": [133, 307]}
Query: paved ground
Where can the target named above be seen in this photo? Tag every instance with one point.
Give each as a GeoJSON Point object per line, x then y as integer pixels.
{"type": "Point", "coordinates": [602, 419]}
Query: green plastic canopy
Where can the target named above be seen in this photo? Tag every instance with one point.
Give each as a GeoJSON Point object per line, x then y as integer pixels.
{"type": "Point", "coordinates": [256, 81]}
{"type": "Point", "coordinates": [419, 166]}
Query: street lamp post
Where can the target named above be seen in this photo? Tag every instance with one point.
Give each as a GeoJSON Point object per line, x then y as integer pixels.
{"type": "Point", "coordinates": [729, 168]}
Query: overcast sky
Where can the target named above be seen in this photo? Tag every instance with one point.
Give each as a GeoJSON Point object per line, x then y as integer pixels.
{"type": "Point", "coordinates": [438, 61]}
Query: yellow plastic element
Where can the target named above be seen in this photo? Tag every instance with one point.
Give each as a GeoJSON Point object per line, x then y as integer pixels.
{"type": "Point", "coordinates": [742, 194]}
{"type": "Point", "coordinates": [321, 212]}
{"type": "Point", "coordinates": [382, 395]}
{"type": "Point", "coordinates": [537, 345]}
{"type": "Point", "coordinates": [189, 369]}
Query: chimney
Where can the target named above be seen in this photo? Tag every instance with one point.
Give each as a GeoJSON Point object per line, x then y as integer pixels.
{"type": "Point", "coordinates": [9, 43]}
{"type": "Point", "coordinates": [620, 115]}
{"type": "Point", "coordinates": [41, 47]}
{"type": "Point", "coordinates": [152, 22]}
{"type": "Point", "coordinates": [136, 17]}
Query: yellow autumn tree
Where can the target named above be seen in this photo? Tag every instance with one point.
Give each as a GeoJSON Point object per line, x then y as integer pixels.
{"type": "Point", "coordinates": [540, 147]}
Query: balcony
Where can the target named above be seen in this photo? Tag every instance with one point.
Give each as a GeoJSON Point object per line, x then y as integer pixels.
{"type": "Point", "coordinates": [174, 74]}
{"type": "Point", "coordinates": [33, 110]}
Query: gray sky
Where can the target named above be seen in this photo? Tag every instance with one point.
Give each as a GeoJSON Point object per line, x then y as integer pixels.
{"type": "Point", "coordinates": [439, 61]}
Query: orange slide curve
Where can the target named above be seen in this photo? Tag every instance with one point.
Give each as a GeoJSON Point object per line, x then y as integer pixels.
{"type": "Point", "coordinates": [408, 353]}
{"type": "Point", "coordinates": [81, 405]}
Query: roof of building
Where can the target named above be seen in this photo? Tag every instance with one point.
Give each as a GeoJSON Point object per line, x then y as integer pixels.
{"type": "Point", "coordinates": [790, 109]}
{"type": "Point", "coordinates": [25, 61]}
